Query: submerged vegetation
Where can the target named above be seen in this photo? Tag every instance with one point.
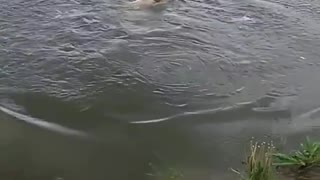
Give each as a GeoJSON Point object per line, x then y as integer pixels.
{"type": "Point", "coordinates": [164, 173]}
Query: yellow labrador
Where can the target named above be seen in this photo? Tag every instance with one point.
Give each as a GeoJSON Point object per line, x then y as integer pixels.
{"type": "Point", "coordinates": [148, 3]}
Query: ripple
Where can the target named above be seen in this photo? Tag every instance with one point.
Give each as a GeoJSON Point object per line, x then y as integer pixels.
{"type": "Point", "coordinates": [43, 124]}
{"type": "Point", "coordinates": [191, 56]}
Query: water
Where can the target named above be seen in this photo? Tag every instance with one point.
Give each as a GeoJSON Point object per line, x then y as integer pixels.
{"type": "Point", "coordinates": [96, 90]}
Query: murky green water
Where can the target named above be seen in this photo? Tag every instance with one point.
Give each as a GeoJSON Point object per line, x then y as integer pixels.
{"type": "Point", "coordinates": [92, 90]}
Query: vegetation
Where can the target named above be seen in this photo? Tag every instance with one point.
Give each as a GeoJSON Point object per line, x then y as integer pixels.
{"type": "Point", "coordinates": [259, 162]}
{"type": "Point", "coordinates": [262, 161]}
{"type": "Point", "coordinates": [308, 156]}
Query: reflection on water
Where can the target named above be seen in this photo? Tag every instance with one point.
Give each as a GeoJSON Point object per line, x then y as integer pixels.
{"type": "Point", "coordinates": [94, 90]}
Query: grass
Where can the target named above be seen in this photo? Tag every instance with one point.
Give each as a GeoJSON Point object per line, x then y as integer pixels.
{"type": "Point", "coordinates": [259, 162]}
{"type": "Point", "coordinates": [308, 156]}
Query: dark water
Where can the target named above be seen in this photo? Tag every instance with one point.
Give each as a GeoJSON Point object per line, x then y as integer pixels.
{"type": "Point", "coordinates": [90, 89]}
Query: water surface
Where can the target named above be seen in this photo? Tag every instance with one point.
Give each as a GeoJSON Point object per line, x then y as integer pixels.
{"type": "Point", "coordinates": [90, 89]}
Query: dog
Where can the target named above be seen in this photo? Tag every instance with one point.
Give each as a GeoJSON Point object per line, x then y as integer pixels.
{"type": "Point", "coordinates": [144, 4]}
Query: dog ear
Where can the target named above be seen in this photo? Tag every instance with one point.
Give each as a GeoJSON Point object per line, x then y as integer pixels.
{"type": "Point", "coordinates": [156, 1]}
